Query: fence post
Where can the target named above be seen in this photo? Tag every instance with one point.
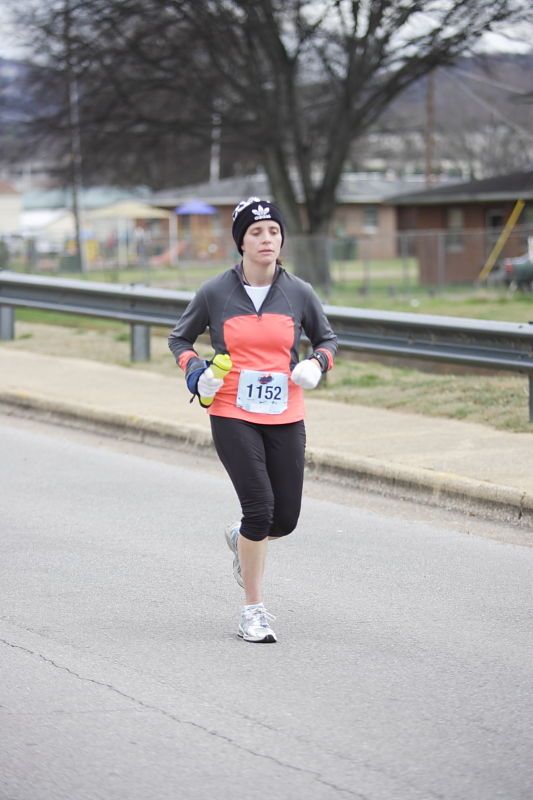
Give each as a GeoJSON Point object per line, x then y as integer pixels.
{"type": "Point", "coordinates": [140, 342]}
{"type": "Point", "coordinates": [7, 323]}
{"type": "Point", "coordinates": [441, 267]}
{"type": "Point", "coordinates": [531, 398]}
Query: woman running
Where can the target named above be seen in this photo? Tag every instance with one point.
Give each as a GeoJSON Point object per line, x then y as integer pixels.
{"type": "Point", "coordinates": [256, 312]}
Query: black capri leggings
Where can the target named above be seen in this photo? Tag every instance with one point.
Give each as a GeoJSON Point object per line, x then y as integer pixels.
{"type": "Point", "coordinates": [266, 466]}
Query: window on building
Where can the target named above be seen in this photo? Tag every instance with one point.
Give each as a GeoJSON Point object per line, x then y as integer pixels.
{"type": "Point", "coordinates": [455, 229]}
{"type": "Point", "coordinates": [370, 219]}
{"type": "Point", "coordinates": [495, 219]}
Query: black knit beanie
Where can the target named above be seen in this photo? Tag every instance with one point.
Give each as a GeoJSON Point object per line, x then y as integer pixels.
{"type": "Point", "coordinates": [253, 210]}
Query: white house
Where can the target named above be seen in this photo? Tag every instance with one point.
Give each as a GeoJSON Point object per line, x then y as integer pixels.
{"type": "Point", "coordinates": [10, 209]}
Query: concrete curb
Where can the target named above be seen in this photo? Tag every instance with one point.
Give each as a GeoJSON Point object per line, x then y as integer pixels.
{"type": "Point", "coordinates": [445, 490]}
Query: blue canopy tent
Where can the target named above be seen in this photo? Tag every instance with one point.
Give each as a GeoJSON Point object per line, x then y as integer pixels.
{"type": "Point", "coordinates": [195, 207]}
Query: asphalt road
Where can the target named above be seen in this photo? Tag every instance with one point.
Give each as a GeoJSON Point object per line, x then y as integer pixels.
{"type": "Point", "coordinates": [403, 669]}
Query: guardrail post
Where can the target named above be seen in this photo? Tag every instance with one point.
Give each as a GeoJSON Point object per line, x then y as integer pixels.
{"type": "Point", "coordinates": [140, 342]}
{"type": "Point", "coordinates": [7, 323]}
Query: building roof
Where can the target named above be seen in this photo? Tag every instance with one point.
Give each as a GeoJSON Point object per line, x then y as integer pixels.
{"type": "Point", "coordinates": [224, 192]}
{"type": "Point", "coordinates": [91, 197]}
{"type": "Point", "coordinates": [513, 186]}
{"type": "Point", "coordinates": [353, 188]}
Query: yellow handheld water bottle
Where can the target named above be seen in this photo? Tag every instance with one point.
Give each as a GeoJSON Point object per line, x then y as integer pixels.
{"type": "Point", "coordinates": [220, 366]}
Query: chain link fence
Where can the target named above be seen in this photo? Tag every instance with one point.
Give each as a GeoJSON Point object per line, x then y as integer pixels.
{"type": "Point", "coordinates": [446, 258]}
{"type": "Point", "coordinates": [404, 261]}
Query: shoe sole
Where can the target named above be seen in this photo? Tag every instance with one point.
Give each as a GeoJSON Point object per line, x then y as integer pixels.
{"type": "Point", "coordinates": [236, 574]}
{"type": "Point", "coordinates": [269, 639]}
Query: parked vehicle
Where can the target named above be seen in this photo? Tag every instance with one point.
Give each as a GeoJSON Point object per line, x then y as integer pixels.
{"type": "Point", "coordinates": [516, 273]}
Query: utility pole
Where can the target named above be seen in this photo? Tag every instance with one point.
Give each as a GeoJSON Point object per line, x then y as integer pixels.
{"type": "Point", "coordinates": [214, 162]}
{"type": "Point", "coordinates": [430, 126]}
{"type": "Point", "coordinates": [74, 136]}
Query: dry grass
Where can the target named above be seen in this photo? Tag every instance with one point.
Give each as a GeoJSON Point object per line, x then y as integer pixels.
{"type": "Point", "coordinates": [498, 400]}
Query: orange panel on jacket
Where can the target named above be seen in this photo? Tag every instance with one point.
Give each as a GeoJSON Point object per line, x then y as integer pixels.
{"type": "Point", "coordinates": [258, 342]}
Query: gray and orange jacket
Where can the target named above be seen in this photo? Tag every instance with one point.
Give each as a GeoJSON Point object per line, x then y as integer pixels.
{"type": "Point", "coordinates": [266, 341]}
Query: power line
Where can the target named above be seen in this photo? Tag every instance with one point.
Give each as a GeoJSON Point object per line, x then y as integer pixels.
{"type": "Point", "coordinates": [488, 81]}
{"type": "Point", "coordinates": [516, 128]}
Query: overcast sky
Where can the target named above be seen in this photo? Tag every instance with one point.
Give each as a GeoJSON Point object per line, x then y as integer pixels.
{"type": "Point", "coordinates": [519, 41]}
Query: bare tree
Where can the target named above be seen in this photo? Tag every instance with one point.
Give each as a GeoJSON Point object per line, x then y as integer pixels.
{"type": "Point", "coordinates": [133, 117]}
{"type": "Point", "coordinates": [294, 82]}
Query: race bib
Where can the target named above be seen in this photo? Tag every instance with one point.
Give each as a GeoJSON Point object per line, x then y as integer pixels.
{"type": "Point", "coordinates": [263, 392]}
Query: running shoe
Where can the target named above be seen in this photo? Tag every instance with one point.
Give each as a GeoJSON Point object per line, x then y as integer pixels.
{"type": "Point", "coordinates": [232, 534]}
{"type": "Point", "coordinates": [254, 625]}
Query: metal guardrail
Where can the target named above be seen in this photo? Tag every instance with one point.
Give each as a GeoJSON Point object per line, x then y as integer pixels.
{"type": "Point", "coordinates": [468, 342]}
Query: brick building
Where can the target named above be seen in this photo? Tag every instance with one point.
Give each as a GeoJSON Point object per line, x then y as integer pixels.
{"type": "Point", "coordinates": [451, 230]}
{"type": "Point", "coordinates": [363, 225]}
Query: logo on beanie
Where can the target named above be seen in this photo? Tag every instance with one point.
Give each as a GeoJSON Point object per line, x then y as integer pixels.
{"type": "Point", "coordinates": [244, 204]}
{"type": "Point", "coordinates": [261, 213]}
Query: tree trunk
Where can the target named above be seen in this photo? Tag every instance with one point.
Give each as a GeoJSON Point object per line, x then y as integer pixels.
{"type": "Point", "coordinates": [310, 258]}
{"type": "Point", "coordinates": [307, 252]}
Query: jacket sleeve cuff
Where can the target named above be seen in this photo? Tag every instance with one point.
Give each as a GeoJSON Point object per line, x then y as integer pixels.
{"type": "Point", "coordinates": [324, 358]}
{"type": "Point", "coordinates": [185, 359]}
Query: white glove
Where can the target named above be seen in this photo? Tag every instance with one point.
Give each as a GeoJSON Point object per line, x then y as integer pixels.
{"type": "Point", "coordinates": [208, 385]}
{"type": "Point", "coordinates": [307, 374]}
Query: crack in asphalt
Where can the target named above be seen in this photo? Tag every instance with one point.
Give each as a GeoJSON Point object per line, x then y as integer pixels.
{"type": "Point", "coordinates": [370, 767]}
{"type": "Point", "coordinates": [379, 770]}
{"type": "Point", "coordinates": [174, 718]}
